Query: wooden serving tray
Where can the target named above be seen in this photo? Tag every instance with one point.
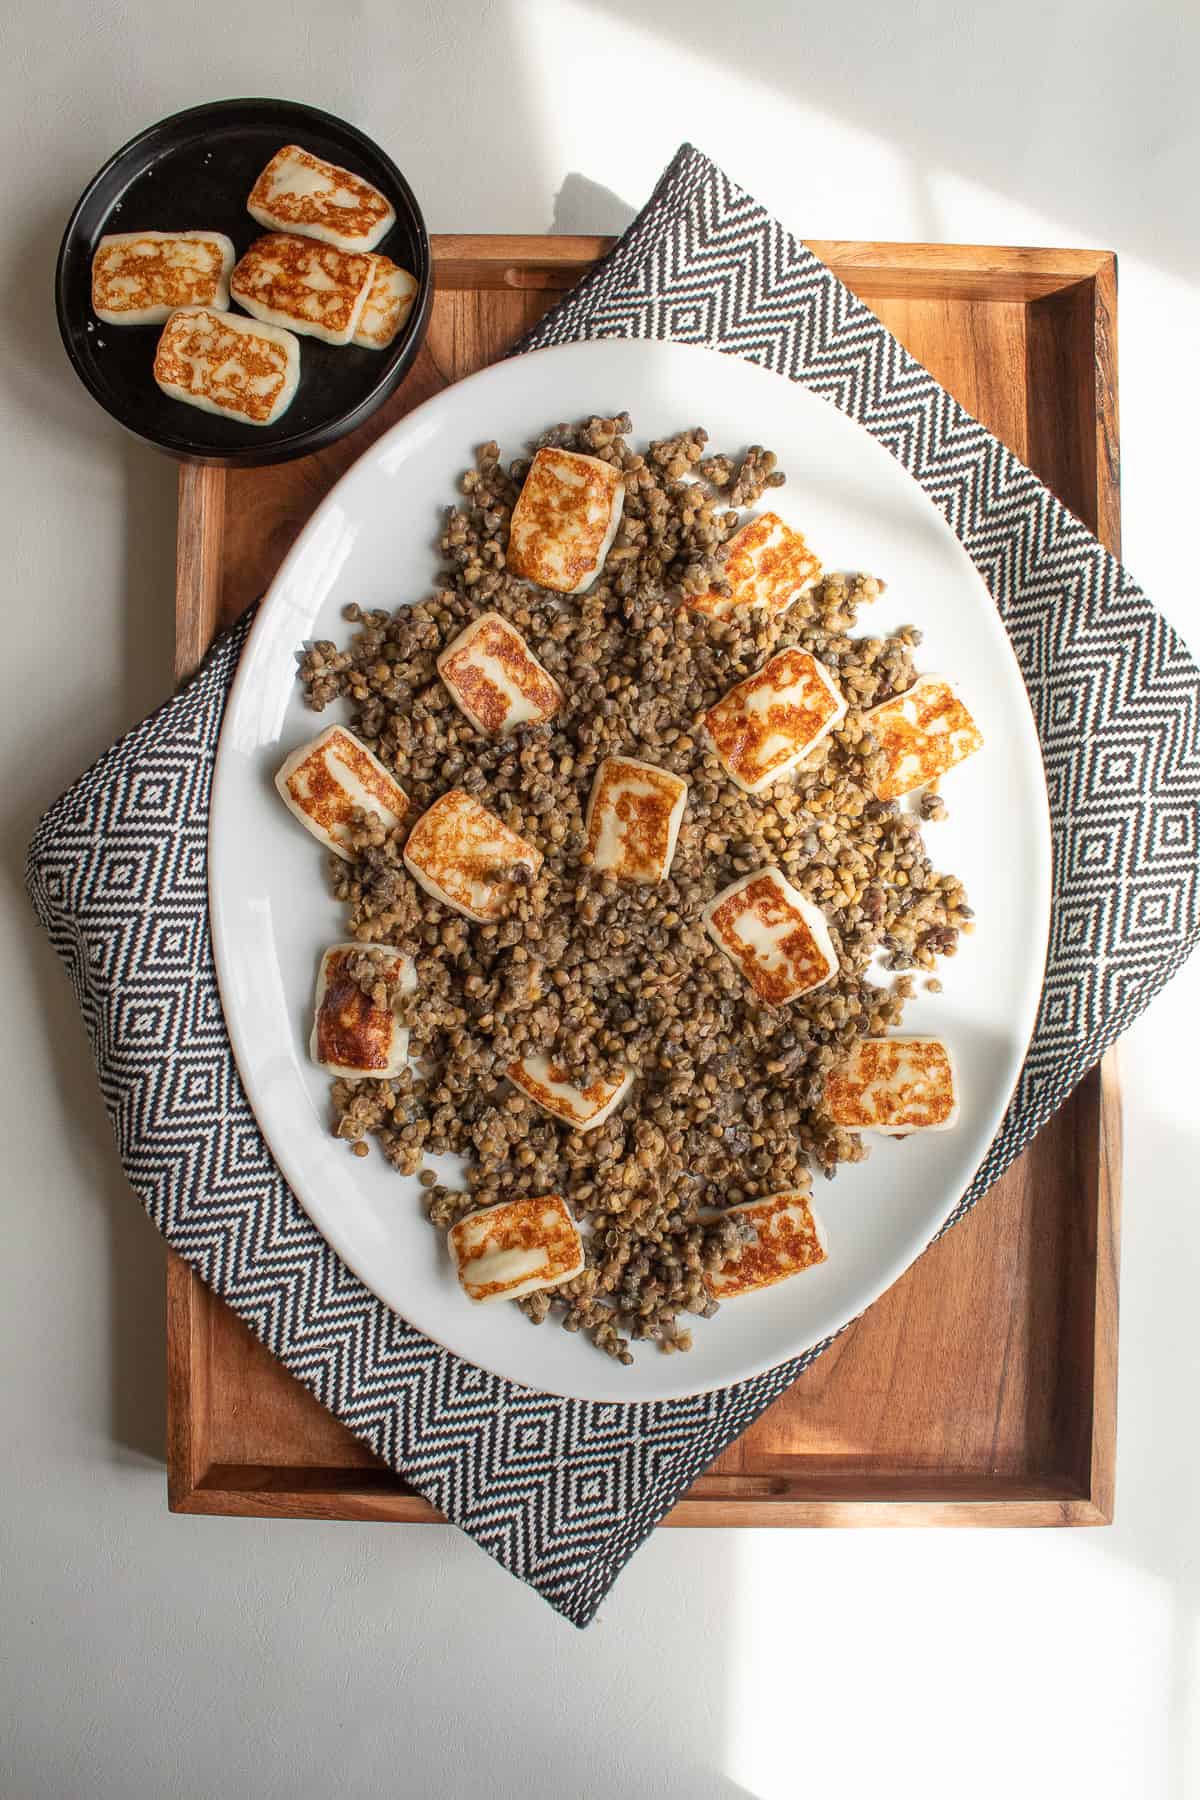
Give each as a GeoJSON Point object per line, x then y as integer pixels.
{"type": "Point", "coordinates": [981, 1390]}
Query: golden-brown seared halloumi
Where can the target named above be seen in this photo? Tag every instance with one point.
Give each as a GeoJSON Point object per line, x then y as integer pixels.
{"type": "Point", "coordinates": [777, 938]}
{"type": "Point", "coordinates": [565, 520]}
{"type": "Point", "coordinates": [788, 1238]}
{"type": "Point", "coordinates": [516, 1248]}
{"type": "Point", "coordinates": [767, 565]}
{"type": "Point", "coordinates": [495, 679]}
{"type": "Point", "coordinates": [352, 1036]}
{"type": "Point", "coordinates": [324, 781]}
{"type": "Point", "coordinates": [774, 719]}
{"type": "Point", "coordinates": [304, 286]}
{"type": "Point", "coordinates": [549, 1087]}
{"type": "Point", "coordinates": [467, 857]}
{"type": "Point", "coordinates": [922, 733]}
{"type": "Point", "coordinates": [388, 303]}
{"type": "Point", "coordinates": [142, 277]}
{"type": "Point", "coordinates": [894, 1086]}
{"type": "Point", "coordinates": [633, 819]}
{"type": "Point", "coordinates": [300, 192]}
{"type": "Point", "coordinates": [227, 365]}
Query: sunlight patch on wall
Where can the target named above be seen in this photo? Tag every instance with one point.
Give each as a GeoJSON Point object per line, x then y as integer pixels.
{"type": "Point", "coordinates": [850, 1672]}
{"type": "Point", "coordinates": [616, 101]}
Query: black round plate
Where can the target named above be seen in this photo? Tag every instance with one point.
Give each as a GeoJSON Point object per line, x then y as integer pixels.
{"type": "Point", "coordinates": [193, 171]}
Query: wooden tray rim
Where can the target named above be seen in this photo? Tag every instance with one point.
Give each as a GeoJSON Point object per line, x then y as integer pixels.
{"type": "Point", "coordinates": [875, 270]}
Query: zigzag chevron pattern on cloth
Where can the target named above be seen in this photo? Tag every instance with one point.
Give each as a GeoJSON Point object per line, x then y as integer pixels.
{"type": "Point", "coordinates": [1115, 694]}
{"type": "Point", "coordinates": [562, 1492]}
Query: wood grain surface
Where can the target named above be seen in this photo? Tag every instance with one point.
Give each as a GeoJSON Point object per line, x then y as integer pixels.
{"type": "Point", "coordinates": [981, 1389]}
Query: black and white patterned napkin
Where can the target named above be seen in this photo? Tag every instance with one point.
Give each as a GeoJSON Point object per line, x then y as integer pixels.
{"type": "Point", "coordinates": [562, 1492]}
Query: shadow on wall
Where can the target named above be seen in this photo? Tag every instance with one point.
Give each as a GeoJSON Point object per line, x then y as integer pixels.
{"type": "Point", "coordinates": [39, 384]}
{"type": "Point", "coordinates": [583, 208]}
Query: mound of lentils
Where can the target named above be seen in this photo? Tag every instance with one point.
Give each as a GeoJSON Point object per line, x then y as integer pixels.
{"type": "Point", "coordinates": [602, 976]}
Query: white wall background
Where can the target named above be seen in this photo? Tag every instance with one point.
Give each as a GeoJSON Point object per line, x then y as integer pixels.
{"type": "Point", "coordinates": [143, 1655]}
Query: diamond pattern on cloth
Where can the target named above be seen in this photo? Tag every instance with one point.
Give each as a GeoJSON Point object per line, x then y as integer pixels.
{"type": "Point", "coordinates": [562, 1492]}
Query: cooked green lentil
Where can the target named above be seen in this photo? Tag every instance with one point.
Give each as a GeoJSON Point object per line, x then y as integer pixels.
{"type": "Point", "coordinates": [727, 1102]}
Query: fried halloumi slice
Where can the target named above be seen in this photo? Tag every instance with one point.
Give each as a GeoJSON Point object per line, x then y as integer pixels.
{"type": "Point", "coordinates": [505, 1251]}
{"type": "Point", "coordinates": [227, 365]}
{"type": "Point", "coordinates": [324, 781]}
{"type": "Point", "coordinates": [922, 733]}
{"type": "Point", "coordinates": [778, 939]}
{"type": "Point", "coordinates": [788, 1238]}
{"type": "Point", "coordinates": [468, 858]}
{"type": "Point", "coordinates": [356, 1033]}
{"type": "Point", "coordinates": [633, 819]}
{"type": "Point", "coordinates": [388, 303]}
{"type": "Point", "coordinates": [774, 719]}
{"type": "Point", "coordinates": [767, 565]}
{"type": "Point", "coordinates": [549, 1087]}
{"type": "Point", "coordinates": [894, 1086]}
{"type": "Point", "coordinates": [495, 679]}
{"type": "Point", "coordinates": [300, 192]}
{"type": "Point", "coordinates": [565, 520]}
{"type": "Point", "coordinates": [142, 277]}
{"type": "Point", "coordinates": [303, 286]}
